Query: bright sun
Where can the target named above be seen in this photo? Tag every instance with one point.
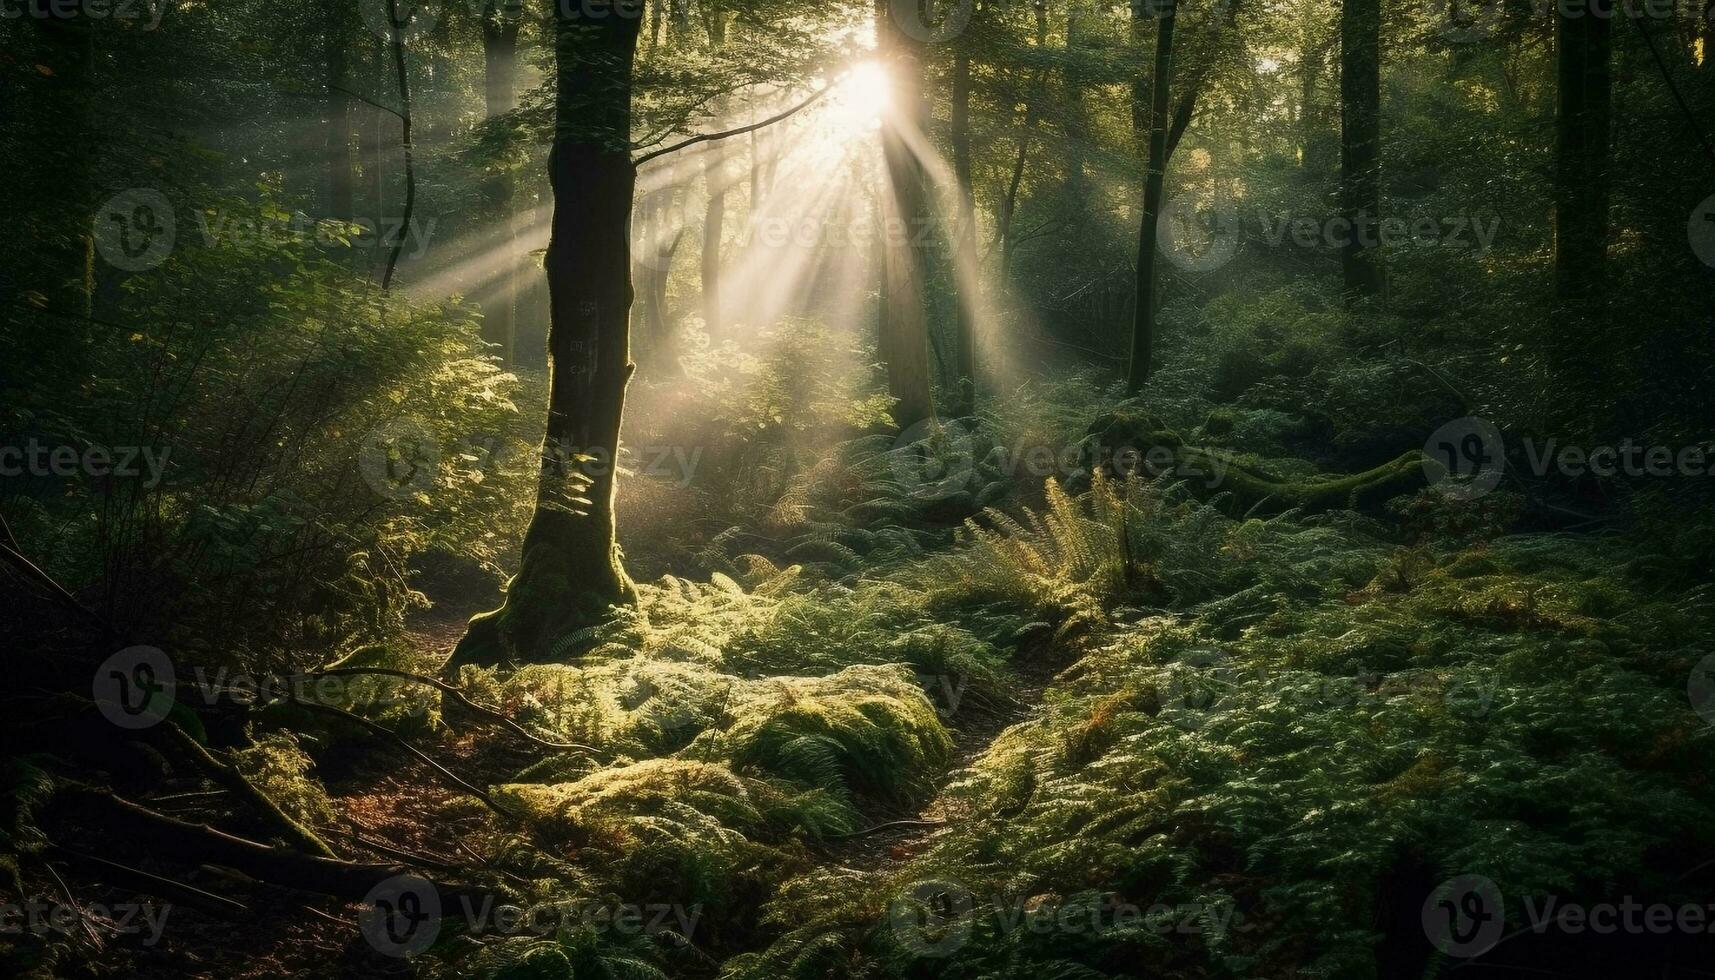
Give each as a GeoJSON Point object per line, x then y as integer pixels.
{"type": "Point", "coordinates": [863, 95]}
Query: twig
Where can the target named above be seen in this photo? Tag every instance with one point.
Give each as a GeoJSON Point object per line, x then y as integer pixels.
{"type": "Point", "coordinates": [398, 854]}
{"type": "Point", "coordinates": [14, 556]}
{"type": "Point", "coordinates": [380, 729]}
{"type": "Point", "coordinates": [367, 101]}
{"type": "Point", "coordinates": [457, 695]}
{"type": "Point", "coordinates": [884, 826]}
{"type": "Point", "coordinates": [228, 776]}
{"type": "Point", "coordinates": [490, 865]}
{"type": "Point", "coordinates": [71, 900]}
{"type": "Point", "coordinates": [165, 887]}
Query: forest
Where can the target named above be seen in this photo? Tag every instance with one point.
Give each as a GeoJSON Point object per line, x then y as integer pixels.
{"type": "Point", "coordinates": [885, 489]}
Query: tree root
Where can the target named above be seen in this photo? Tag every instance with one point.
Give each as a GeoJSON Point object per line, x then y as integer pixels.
{"type": "Point", "coordinates": [175, 839]}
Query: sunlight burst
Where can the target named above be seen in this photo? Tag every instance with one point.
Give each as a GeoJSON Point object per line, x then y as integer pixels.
{"type": "Point", "coordinates": [863, 96]}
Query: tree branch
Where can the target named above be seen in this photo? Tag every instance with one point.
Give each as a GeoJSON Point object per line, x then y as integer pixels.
{"type": "Point", "coordinates": [753, 127]}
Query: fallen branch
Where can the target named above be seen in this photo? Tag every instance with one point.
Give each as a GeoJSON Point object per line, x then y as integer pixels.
{"type": "Point", "coordinates": [229, 778]}
{"type": "Point", "coordinates": [199, 843]}
{"type": "Point", "coordinates": [1156, 450]}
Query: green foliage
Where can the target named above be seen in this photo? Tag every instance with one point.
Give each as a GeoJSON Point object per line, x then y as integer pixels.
{"type": "Point", "coordinates": [1337, 715]}
{"type": "Point", "coordinates": [276, 765]}
{"type": "Point", "coordinates": [317, 437]}
{"type": "Point", "coordinates": [867, 729]}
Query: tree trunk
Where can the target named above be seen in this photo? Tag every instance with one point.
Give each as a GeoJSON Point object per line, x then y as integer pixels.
{"type": "Point", "coordinates": [372, 157]}
{"type": "Point", "coordinates": [659, 241]}
{"type": "Point", "coordinates": [714, 221]}
{"type": "Point", "coordinates": [338, 155]}
{"type": "Point", "coordinates": [1360, 144]}
{"type": "Point", "coordinates": [500, 22]}
{"type": "Point", "coordinates": [1309, 67]}
{"type": "Point", "coordinates": [965, 276]}
{"type": "Point", "coordinates": [904, 333]}
{"type": "Point", "coordinates": [571, 575]}
{"type": "Point", "coordinates": [1583, 44]}
{"type": "Point", "coordinates": [70, 277]}
{"type": "Point", "coordinates": [1004, 240]}
{"type": "Point", "coordinates": [405, 144]}
{"type": "Point", "coordinates": [1143, 315]}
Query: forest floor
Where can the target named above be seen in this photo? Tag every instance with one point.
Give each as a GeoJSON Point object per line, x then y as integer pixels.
{"type": "Point", "coordinates": [1126, 700]}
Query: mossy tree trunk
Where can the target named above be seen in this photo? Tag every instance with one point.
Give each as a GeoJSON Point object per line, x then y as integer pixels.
{"type": "Point", "coordinates": [571, 575]}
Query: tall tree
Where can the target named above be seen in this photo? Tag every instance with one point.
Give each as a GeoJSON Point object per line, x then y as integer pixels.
{"type": "Point", "coordinates": [501, 20]}
{"type": "Point", "coordinates": [1005, 241]}
{"type": "Point", "coordinates": [68, 33]}
{"type": "Point", "coordinates": [716, 181]}
{"type": "Point", "coordinates": [965, 279]}
{"type": "Point", "coordinates": [660, 232]}
{"type": "Point", "coordinates": [339, 178]}
{"type": "Point", "coordinates": [1583, 47]}
{"type": "Point", "coordinates": [1165, 12]}
{"type": "Point", "coordinates": [1360, 144]}
{"type": "Point", "coordinates": [571, 574]}
{"type": "Point", "coordinates": [406, 141]}
{"type": "Point", "coordinates": [904, 333]}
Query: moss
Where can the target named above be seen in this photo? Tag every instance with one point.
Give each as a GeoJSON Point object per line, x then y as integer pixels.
{"type": "Point", "coordinates": [569, 579]}
{"type": "Point", "coordinates": [1132, 440]}
{"type": "Point", "coordinates": [867, 729]}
